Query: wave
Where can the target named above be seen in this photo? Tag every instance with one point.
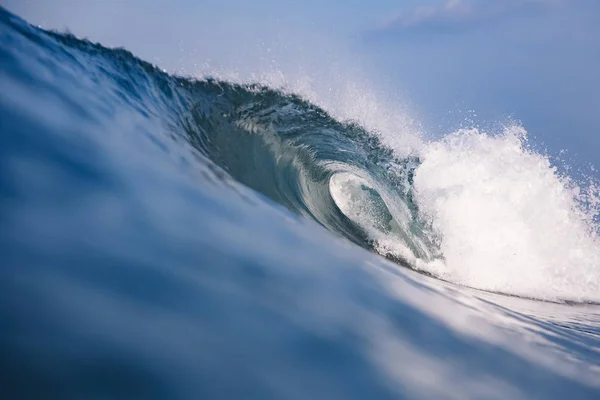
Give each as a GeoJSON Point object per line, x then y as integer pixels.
{"type": "Point", "coordinates": [479, 209]}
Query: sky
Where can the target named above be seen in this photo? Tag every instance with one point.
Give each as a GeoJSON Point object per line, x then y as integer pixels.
{"type": "Point", "coordinates": [452, 61]}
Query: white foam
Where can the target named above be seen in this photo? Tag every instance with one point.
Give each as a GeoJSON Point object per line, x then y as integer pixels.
{"type": "Point", "coordinates": [507, 221]}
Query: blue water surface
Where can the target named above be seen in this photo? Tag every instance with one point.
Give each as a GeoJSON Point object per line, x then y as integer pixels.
{"type": "Point", "coordinates": [134, 264]}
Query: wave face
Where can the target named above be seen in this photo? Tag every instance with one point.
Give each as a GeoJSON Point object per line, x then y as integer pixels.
{"type": "Point", "coordinates": [160, 237]}
{"type": "Point", "coordinates": [295, 153]}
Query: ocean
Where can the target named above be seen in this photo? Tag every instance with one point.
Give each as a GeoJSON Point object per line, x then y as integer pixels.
{"type": "Point", "coordinates": [172, 237]}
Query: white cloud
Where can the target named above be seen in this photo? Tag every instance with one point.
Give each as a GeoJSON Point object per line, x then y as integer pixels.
{"type": "Point", "coordinates": [463, 14]}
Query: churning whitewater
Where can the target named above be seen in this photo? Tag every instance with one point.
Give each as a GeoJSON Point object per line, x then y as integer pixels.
{"type": "Point", "coordinates": [170, 230]}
